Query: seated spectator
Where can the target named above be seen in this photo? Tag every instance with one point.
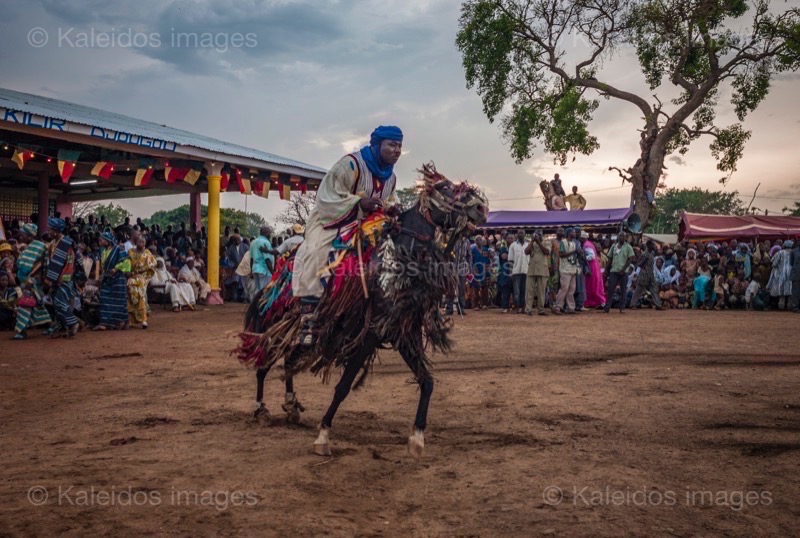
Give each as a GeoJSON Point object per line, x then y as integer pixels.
{"type": "Point", "coordinates": [180, 293]}
{"type": "Point", "coordinates": [189, 274]}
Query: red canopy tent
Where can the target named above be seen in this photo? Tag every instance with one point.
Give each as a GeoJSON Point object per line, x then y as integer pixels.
{"type": "Point", "coordinates": [699, 227]}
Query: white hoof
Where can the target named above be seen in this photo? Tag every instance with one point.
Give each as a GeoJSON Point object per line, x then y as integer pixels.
{"type": "Point", "coordinates": [322, 445]}
{"type": "Point", "coordinates": [416, 444]}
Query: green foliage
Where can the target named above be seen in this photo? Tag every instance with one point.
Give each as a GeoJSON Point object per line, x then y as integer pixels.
{"type": "Point", "coordinates": [115, 214]}
{"type": "Point", "coordinates": [671, 202]}
{"type": "Point", "coordinates": [793, 211]}
{"type": "Point", "coordinates": [407, 196]}
{"type": "Point", "coordinates": [248, 223]}
{"type": "Point", "coordinates": [517, 54]}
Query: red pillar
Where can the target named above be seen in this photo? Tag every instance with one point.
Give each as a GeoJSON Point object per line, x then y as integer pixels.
{"type": "Point", "coordinates": [195, 216]}
{"type": "Point", "coordinates": [44, 202]}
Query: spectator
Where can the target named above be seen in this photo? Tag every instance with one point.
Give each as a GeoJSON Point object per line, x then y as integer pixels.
{"type": "Point", "coordinates": [519, 271]}
{"type": "Point", "coordinates": [538, 274]}
{"type": "Point", "coordinates": [620, 259]}
{"type": "Point", "coordinates": [568, 268]}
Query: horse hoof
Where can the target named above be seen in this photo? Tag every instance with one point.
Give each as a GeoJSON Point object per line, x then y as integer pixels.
{"type": "Point", "coordinates": [416, 444]}
{"type": "Point", "coordinates": [322, 446]}
{"type": "Point", "coordinates": [293, 416]}
{"type": "Point", "coordinates": [322, 450]}
{"type": "Point", "coordinates": [261, 414]}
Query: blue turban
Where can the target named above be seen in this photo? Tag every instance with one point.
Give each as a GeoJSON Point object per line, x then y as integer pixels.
{"type": "Point", "coordinates": [30, 229]}
{"type": "Point", "coordinates": [56, 225]}
{"type": "Point", "coordinates": [108, 236]}
{"type": "Point", "coordinates": [371, 153]}
{"type": "Point", "coordinates": [568, 230]}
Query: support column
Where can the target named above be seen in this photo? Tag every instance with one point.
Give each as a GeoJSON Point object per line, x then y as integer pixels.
{"type": "Point", "coordinates": [44, 202]}
{"type": "Point", "coordinates": [195, 216]}
{"type": "Point", "coordinates": [214, 178]}
{"type": "Point", "coordinates": [64, 206]}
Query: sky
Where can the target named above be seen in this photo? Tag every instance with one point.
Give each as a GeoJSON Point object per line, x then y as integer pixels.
{"type": "Point", "coordinates": [310, 79]}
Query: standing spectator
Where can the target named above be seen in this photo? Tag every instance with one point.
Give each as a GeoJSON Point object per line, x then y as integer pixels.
{"type": "Point", "coordinates": [480, 266]}
{"type": "Point", "coordinates": [30, 269]}
{"type": "Point", "coordinates": [580, 278]}
{"type": "Point", "coordinates": [519, 270]}
{"type": "Point", "coordinates": [795, 277]}
{"type": "Point", "coordinates": [538, 273]}
{"type": "Point", "coordinates": [504, 285]}
{"type": "Point", "coordinates": [620, 257]}
{"type": "Point", "coordinates": [261, 259]}
{"type": "Point", "coordinates": [780, 283]}
{"type": "Point", "coordinates": [650, 278]}
{"type": "Point", "coordinates": [143, 265]}
{"type": "Point", "coordinates": [568, 268]}
{"type": "Point", "coordinates": [595, 294]}
{"type": "Point", "coordinates": [113, 289]}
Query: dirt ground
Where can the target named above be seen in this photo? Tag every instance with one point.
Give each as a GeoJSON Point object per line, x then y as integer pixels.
{"type": "Point", "coordinates": [570, 425]}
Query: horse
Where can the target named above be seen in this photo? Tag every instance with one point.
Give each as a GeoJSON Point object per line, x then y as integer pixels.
{"type": "Point", "coordinates": [403, 267]}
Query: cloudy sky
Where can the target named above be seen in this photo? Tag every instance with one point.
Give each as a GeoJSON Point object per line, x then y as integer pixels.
{"type": "Point", "coordinates": [309, 79]}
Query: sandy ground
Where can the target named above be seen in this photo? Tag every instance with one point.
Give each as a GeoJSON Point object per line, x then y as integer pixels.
{"type": "Point", "coordinates": [580, 425]}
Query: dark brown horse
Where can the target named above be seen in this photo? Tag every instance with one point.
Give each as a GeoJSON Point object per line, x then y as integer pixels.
{"type": "Point", "coordinates": [393, 303]}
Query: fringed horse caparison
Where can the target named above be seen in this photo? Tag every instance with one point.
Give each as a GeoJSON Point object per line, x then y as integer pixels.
{"type": "Point", "coordinates": [387, 276]}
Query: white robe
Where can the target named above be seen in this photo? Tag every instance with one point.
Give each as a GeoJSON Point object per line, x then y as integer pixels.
{"type": "Point", "coordinates": [180, 293]}
{"type": "Point", "coordinates": [336, 205]}
{"type": "Point", "coordinates": [193, 277]}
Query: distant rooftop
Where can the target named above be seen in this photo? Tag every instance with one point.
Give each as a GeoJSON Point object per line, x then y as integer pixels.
{"type": "Point", "coordinates": [126, 129]}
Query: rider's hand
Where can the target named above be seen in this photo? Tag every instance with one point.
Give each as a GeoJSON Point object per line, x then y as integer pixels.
{"type": "Point", "coordinates": [370, 205]}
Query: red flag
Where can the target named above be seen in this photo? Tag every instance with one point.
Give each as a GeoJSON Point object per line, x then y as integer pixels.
{"type": "Point", "coordinates": [173, 174]}
{"type": "Point", "coordinates": [143, 176]}
{"type": "Point", "coordinates": [223, 183]}
{"type": "Point", "coordinates": [103, 169]}
{"type": "Point", "coordinates": [65, 168]}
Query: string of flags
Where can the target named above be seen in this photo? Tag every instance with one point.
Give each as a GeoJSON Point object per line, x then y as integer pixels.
{"type": "Point", "coordinates": [255, 182]}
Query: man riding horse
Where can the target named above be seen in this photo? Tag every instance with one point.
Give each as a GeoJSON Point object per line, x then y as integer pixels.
{"type": "Point", "coordinates": [358, 185]}
{"type": "Point", "coordinates": [365, 279]}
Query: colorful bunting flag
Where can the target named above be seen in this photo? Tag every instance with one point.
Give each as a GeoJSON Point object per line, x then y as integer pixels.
{"type": "Point", "coordinates": [173, 174]}
{"type": "Point", "coordinates": [143, 176]}
{"type": "Point", "coordinates": [66, 163]}
{"type": "Point", "coordinates": [224, 182]}
{"type": "Point", "coordinates": [20, 157]}
{"type": "Point", "coordinates": [103, 169]}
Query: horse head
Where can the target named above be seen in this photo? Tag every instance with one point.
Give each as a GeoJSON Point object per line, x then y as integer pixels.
{"type": "Point", "coordinates": [452, 207]}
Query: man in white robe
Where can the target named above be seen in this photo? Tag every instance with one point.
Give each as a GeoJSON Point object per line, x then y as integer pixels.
{"type": "Point", "coordinates": [359, 184]}
{"type": "Point", "coordinates": [191, 275]}
{"type": "Point", "coordinates": [181, 293]}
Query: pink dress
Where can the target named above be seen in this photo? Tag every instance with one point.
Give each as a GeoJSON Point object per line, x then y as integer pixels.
{"type": "Point", "coordinates": [595, 291]}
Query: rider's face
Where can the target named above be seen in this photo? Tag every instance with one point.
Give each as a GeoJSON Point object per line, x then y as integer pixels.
{"type": "Point", "coordinates": [390, 151]}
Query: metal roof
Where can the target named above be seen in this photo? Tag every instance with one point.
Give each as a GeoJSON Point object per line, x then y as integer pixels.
{"type": "Point", "coordinates": [94, 117]}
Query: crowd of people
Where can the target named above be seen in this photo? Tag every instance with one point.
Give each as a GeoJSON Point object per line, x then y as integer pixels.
{"type": "Point", "coordinates": [84, 273]}
{"type": "Point", "coordinates": [577, 271]}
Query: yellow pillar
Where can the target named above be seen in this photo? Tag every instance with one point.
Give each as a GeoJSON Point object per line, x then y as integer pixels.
{"type": "Point", "coordinates": [213, 238]}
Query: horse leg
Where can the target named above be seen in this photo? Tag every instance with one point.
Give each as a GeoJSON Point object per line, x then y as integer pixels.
{"type": "Point", "coordinates": [292, 405]}
{"type": "Point", "coordinates": [416, 441]}
{"type": "Point", "coordinates": [261, 412]}
{"type": "Point", "coordinates": [354, 365]}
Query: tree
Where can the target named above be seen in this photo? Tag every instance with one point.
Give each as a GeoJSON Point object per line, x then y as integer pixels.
{"type": "Point", "coordinates": [514, 53]}
{"type": "Point", "coordinates": [407, 196]}
{"type": "Point", "coordinates": [299, 208]}
{"type": "Point", "coordinates": [793, 211]}
{"type": "Point", "coordinates": [671, 202]}
{"type": "Point", "coordinates": [115, 214]}
{"type": "Point", "coordinates": [248, 223]}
